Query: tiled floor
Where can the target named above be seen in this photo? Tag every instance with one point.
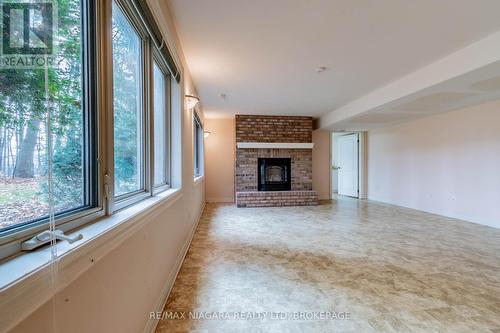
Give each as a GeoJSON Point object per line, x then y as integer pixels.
{"type": "Point", "coordinates": [391, 269]}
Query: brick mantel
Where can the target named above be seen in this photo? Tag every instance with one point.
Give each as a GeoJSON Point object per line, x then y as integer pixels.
{"type": "Point", "coordinates": [275, 145]}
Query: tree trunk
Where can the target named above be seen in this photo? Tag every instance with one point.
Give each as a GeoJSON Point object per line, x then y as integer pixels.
{"type": "Point", "coordinates": [3, 139]}
{"type": "Point", "coordinates": [24, 160]}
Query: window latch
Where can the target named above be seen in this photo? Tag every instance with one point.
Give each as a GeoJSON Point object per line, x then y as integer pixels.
{"type": "Point", "coordinates": [45, 237]}
{"type": "Point", "coordinates": [107, 190]}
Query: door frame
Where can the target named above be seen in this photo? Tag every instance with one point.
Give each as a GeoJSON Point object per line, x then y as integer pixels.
{"type": "Point", "coordinates": [362, 162]}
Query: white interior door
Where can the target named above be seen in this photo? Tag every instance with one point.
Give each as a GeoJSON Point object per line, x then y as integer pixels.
{"type": "Point", "coordinates": [335, 171]}
{"type": "Point", "coordinates": [348, 165]}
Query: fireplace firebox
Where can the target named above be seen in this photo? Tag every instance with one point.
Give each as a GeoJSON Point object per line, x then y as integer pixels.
{"type": "Point", "coordinates": [274, 174]}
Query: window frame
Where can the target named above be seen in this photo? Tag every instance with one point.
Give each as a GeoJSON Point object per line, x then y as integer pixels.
{"type": "Point", "coordinates": [158, 59]}
{"type": "Point", "coordinates": [130, 198]}
{"type": "Point", "coordinates": [93, 208]}
{"type": "Point", "coordinates": [198, 146]}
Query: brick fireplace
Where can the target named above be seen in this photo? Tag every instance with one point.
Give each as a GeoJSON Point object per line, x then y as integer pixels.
{"type": "Point", "coordinates": [274, 161]}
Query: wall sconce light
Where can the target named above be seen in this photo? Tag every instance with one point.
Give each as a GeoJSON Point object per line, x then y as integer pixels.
{"type": "Point", "coordinates": [191, 101]}
{"type": "Point", "coordinates": [206, 134]}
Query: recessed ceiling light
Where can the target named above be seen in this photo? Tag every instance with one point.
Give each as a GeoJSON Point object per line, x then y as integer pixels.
{"type": "Point", "coordinates": [321, 69]}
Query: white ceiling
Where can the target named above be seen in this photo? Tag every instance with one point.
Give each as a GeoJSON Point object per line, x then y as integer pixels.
{"type": "Point", "coordinates": [263, 53]}
{"type": "Point", "coordinates": [475, 87]}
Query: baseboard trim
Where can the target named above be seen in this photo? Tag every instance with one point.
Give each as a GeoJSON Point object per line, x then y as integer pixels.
{"type": "Point", "coordinates": [450, 215]}
{"type": "Point", "coordinates": [324, 196]}
{"type": "Point", "coordinates": [221, 200]}
{"type": "Point", "coordinates": [167, 289]}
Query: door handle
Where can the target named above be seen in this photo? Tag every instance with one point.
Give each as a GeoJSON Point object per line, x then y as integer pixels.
{"type": "Point", "coordinates": [336, 167]}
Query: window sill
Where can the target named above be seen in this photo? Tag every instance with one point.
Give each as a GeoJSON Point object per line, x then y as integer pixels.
{"type": "Point", "coordinates": [25, 281]}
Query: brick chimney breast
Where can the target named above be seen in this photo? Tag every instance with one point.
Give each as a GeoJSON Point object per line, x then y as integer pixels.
{"type": "Point", "coordinates": [274, 129]}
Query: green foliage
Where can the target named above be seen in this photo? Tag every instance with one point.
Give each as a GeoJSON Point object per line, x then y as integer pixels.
{"type": "Point", "coordinates": [29, 103]}
{"type": "Point", "coordinates": [66, 92]}
{"type": "Point", "coordinates": [24, 106]}
{"type": "Point", "coordinates": [127, 96]}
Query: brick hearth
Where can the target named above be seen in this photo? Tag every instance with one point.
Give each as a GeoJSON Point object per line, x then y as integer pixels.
{"type": "Point", "coordinates": [276, 198]}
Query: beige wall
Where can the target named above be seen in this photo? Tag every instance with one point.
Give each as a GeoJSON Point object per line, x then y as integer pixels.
{"type": "Point", "coordinates": [321, 163]}
{"type": "Point", "coordinates": [448, 164]}
{"type": "Point", "coordinates": [119, 290]}
{"type": "Point", "coordinates": [220, 159]}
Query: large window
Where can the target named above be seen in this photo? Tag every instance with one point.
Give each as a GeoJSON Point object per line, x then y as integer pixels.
{"type": "Point", "coordinates": [198, 146]}
{"type": "Point", "coordinates": [128, 106]}
{"type": "Point", "coordinates": [65, 146]}
{"type": "Point", "coordinates": [47, 114]}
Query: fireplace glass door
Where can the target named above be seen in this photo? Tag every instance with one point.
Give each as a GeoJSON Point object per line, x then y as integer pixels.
{"type": "Point", "coordinates": [274, 174]}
